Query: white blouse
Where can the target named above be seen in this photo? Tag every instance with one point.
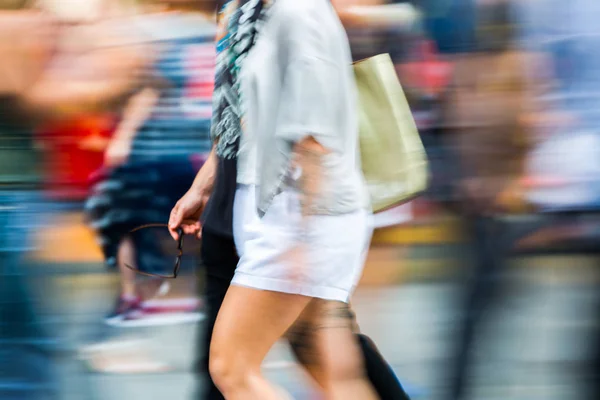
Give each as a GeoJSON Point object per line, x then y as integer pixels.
{"type": "Point", "coordinates": [298, 81]}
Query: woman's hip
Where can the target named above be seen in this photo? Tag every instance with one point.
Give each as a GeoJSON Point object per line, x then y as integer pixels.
{"type": "Point", "coordinates": [284, 225]}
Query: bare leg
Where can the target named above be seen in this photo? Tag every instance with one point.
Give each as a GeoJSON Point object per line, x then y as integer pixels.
{"type": "Point", "coordinates": [340, 354]}
{"type": "Point", "coordinates": [127, 256]}
{"type": "Point", "coordinates": [325, 343]}
{"type": "Point", "coordinates": [302, 339]}
{"type": "Point", "coordinates": [249, 323]}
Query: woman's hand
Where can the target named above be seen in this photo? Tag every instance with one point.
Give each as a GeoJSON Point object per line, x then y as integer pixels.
{"type": "Point", "coordinates": [188, 210]}
{"type": "Point", "coordinates": [186, 214]}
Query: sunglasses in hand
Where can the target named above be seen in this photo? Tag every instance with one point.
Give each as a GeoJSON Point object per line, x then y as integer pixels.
{"type": "Point", "coordinates": [177, 259]}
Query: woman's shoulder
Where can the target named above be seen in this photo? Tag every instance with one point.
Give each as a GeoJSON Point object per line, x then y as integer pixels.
{"type": "Point", "coordinates": [303, 11]}
{"type": "Point", "coordinates": [308, 20]}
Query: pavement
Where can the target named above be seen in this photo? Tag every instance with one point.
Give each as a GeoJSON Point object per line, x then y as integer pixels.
{"type": "Point", "coordinates": [532, 348]}
{"type": "Point", "coordinates": [539, 333]}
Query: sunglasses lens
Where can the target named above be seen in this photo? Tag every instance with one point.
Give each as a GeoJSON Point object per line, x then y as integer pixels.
{"type": "Point", "coordinates": [157, 253]}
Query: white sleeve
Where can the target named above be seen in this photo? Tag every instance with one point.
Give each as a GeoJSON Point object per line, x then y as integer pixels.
{"type": "Point", "coordinates": [312, 83]}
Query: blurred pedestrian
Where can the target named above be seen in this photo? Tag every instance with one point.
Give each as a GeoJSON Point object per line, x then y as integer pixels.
{"type": "Point", "coordinates": [39, 85]}
{"type": "Point", "coordinates": [153, 157]}
{"type": "Point", "coordinates": [483, 123]}
{"type": "Point", "coordinates": [27, 370]}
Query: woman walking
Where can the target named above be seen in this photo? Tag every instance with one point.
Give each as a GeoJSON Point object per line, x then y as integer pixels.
{"type": "Point", "coordinates": [301, 219]}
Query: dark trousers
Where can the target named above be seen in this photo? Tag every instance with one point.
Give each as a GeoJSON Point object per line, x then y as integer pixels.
{"type": "Point", "coordinates": [489, 245]}
{"type": "Point", "coordinates": [220, 259]}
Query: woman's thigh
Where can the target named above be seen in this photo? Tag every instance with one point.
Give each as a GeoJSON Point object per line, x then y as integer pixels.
{"type": "Point", "coordinates": [251, 321]}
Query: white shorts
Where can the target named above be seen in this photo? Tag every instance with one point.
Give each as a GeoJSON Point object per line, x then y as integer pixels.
{"type": "Point", "coordinates": [322, 259]}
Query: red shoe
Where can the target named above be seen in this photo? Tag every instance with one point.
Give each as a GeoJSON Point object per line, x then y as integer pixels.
{"type": "Point", "coordinates": [123, 307]}
{"type": "Point", "coordinates": [164, 312]}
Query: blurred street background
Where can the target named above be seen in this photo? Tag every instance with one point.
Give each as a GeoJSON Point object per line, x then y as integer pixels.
{"type": "Point", "coordinates": [484, 287]}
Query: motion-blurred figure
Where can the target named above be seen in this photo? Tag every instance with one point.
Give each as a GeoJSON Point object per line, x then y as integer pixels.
{"type": "Point", "coordinates": [33, 88]}
{"type": "Point", "coordinates": [154, 154]}
{"type": "Point", "coordinates": [26, 367]}
{"type": "Point", "coordinates": [482, 123]}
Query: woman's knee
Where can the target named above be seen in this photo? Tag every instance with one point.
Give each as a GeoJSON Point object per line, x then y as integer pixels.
{"type": "Point", "coordinates": [222, 368]}
{"type": "Point", "coordinates": [229, 370]}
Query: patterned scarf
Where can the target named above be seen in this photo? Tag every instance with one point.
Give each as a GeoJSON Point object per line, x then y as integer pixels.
{"type": "Point", "coordinates": [243, 19]}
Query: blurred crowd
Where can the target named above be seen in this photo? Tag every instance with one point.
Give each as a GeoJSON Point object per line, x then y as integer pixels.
{"type": "Point", "coordinates": [105, 109]}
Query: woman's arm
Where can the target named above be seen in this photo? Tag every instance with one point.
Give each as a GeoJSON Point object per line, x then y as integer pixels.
{"type": "Point", "coordinates": [308, 159]}
{"type": "Point", "coordinates": [188, 210]}
{"type": "Point", "coordinates": [312, 84]}
{"type": "Point", "coordinates": [205, 178]}
{"type": "Point", "coordinates": [136, 113]}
